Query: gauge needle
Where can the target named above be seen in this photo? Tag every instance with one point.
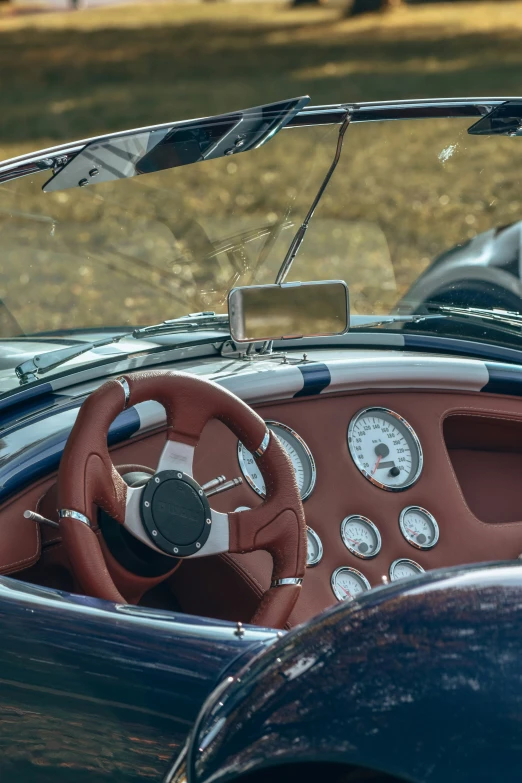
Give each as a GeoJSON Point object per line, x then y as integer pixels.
{"type": "Point", "coordinates": [377, 463]}
{"type": "Point", "coordinates": [347, 591]}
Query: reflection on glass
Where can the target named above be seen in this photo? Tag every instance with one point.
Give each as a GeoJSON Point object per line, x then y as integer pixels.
{"type": "Point", "coordinates": [275, 312]}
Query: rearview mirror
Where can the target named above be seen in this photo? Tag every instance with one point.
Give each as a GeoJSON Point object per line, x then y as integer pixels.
{"type": "Point", "coordinates": [290, 310]}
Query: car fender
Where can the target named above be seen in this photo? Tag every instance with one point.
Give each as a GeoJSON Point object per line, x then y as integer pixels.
{"type": "Point", "coordinates": [420, 679]}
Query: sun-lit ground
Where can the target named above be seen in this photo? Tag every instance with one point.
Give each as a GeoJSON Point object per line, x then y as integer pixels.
{"type": "Point", "coordinates": [400, 197]}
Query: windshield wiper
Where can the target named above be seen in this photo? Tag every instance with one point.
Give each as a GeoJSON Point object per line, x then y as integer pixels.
{"type": "Point", "coordinates": [497, 316]}
{"type": "Point", "coordinates": [31, 369]}
{"type": "Point", "coordinates": [195, 322]}
{"type": "Point", "coordinates": [437, 312]}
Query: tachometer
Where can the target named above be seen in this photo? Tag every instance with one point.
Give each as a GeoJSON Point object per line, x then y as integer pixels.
{"type": "Point", "coordinates": [299, 453]}
{"type": "Point", "coordinates": [348, 583]}
{"type": "Point", "coordinates": [385, 448]}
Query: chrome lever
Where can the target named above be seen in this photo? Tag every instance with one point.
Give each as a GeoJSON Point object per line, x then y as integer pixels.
{"type": "Point", "coordinates": [224, 487]}
{"type": "Point", "coordinates": [40, 519]}
{"type": "Point", "coordinates": [213, 483]}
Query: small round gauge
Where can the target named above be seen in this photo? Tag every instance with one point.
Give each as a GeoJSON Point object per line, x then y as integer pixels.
{"type": "Point", "coordinates": [300, 456]}
{"type": "Point", "coordinates": [385, 448]}
{"type": "Point", "coordinates": [360, 536]}
{"type": "Point", "coordinates": [315, 548]}
{"type": "Point", "coordinates": [404, 569]}
{"type": "Point", "coordinates": [348, 583]}
{"type": "Point", "coordinates": [419, 527]}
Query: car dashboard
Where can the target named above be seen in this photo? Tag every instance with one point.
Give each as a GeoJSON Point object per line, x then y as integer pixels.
{"type": "Point", "coordinates": [406, 463]}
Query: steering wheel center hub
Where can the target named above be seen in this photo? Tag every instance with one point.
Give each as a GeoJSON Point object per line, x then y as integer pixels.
{"type": "Point", "coordinates": [175, 513]}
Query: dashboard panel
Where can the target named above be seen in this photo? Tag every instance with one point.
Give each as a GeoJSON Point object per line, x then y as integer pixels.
{"type": "Point", "coordinates": [427, 524]}
{"type": "Point", "coordinates": [464, 504]}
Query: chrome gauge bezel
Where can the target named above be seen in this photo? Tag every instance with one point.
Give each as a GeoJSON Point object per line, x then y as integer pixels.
{"type": "Point", "coordinates": [293, 434]}
{"type": "Point", "coordinates": [375, 410]}
{"type": "Point", "coordinates": [357, 573]}
{"type": "Point", "coordinates": [409, 562]}
{"type": "Point", "coordinates": [310, 563]}
{"type": "Point", "coordinates": [418, 510]}
{"type": "Point", "coordinates": [371, 525]}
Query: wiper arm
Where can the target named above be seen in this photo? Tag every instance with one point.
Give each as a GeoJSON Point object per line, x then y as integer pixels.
{"type": "Point", "coordinates": [384, 320]}
{"type": "Point", "coordinates": [435, 312]}
{"type": "Point", "coordinates": [195, 322]}
{"type": "Point", "coordinates": [40, 364]}
{"type": "Point", "coordinates": [45, 362]}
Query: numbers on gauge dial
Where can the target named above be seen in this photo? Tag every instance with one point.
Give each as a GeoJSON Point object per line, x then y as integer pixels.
{"type": "Point", "coordinates": [360, 536]}
{"type": "Point", "coordinates": [385, 448]}
{"type": "Point", "coordinates": [348, 583]}
{"type": "Point", "coordinates": [419, 527]}
{"type": "Point", "coordinates": [300, 457]}
{"type": "Point", "coordinates": [404, 569]}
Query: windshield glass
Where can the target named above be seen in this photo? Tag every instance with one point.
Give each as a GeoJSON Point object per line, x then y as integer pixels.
{"type": "Point", "coordinates": [158, 246]}
{"type": "Point", "coordinates": [418, 213]}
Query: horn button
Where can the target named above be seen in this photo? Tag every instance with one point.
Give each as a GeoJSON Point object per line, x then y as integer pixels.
{"type": "Point", "coordinates": [175, 513]}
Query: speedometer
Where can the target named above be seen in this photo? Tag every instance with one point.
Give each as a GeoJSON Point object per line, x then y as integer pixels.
{"type": "Point", "coordinates": [300, 457]}
{"type": "Point", "coordinates": [385, 448]}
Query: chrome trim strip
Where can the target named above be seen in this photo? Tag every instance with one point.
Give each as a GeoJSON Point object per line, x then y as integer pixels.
{"type": "Point", "coordinates": [263, 445]}
{"type": "Point", "coordinates": [65, 513]}
{"type": "Point", "coordinates": [286, 581]}
{"type": "Point", "coordinates": [126, 388]}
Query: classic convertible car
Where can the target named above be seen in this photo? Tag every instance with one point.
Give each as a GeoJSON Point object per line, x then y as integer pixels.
{"type": "Point", "coordinates": [260, 461]}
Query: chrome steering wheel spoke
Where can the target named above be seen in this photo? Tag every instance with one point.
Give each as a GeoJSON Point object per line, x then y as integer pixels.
{"type": "Point", "coordinates": [176, 456]}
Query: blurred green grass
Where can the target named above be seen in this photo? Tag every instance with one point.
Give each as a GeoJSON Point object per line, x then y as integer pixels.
{"type": "Point", "coordinates": [130, 252]}
{"type": "Point", "coordinates": [70, 75]}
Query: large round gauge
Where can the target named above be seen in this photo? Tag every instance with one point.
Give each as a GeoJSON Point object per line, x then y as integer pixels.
{"type": "Point", "coordinates": [348, 583]}
{"type": "Point", "coordinates": [360, 536]}
{"type": "Point", "coordinates": [419, 527]}
{"type": "Point", "coordinates": [299, 453]}
{"type": "Point", "coordinates": [385, 448]}
{"type": "Point", "coordinates": [314, 552]}
{"type": "Point", "coordinates": [404, 569]}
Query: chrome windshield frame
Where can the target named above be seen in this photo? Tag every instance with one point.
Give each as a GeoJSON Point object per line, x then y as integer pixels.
{"type": "Point", "coordinates": [55, 158]}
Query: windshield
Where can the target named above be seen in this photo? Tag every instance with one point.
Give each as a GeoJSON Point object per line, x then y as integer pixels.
{"type": "Point", "coordinates": [158, 246]}
{"type": "Point", "coordinates": [418, 212]}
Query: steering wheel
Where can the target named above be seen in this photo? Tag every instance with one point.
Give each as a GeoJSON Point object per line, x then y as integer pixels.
{"type": "Point", "coordinates": [170, 513]}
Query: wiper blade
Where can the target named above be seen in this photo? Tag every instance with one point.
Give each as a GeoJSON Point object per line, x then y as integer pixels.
{"type": "Point", "coordinates": [40, 364]}
{"type": "Point", "coordinates": [195, 322]}
{"type": "Point", "coordinates": [502, 317]}
{"type": "Point", "coordinates": [384, 320]}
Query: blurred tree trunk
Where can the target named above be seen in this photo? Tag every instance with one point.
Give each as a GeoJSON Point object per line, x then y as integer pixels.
{"type": "Point", "coordinates": [359, 7]}
{"type": "Point", "coordinates": [299, 3]}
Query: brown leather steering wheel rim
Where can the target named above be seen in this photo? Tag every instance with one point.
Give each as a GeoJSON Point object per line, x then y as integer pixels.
{"type": "Point", "coordinates": [88, 477]}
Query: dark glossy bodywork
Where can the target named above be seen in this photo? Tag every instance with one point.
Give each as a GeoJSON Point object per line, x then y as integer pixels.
{"type": "Point", "coordinates": [93, 691]}
{"type": "Point", "coordinates": [421, 680]}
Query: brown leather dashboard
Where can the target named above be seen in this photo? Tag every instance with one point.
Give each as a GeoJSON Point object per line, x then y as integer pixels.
{"type": "Point", "coordinates": [471, 483]}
